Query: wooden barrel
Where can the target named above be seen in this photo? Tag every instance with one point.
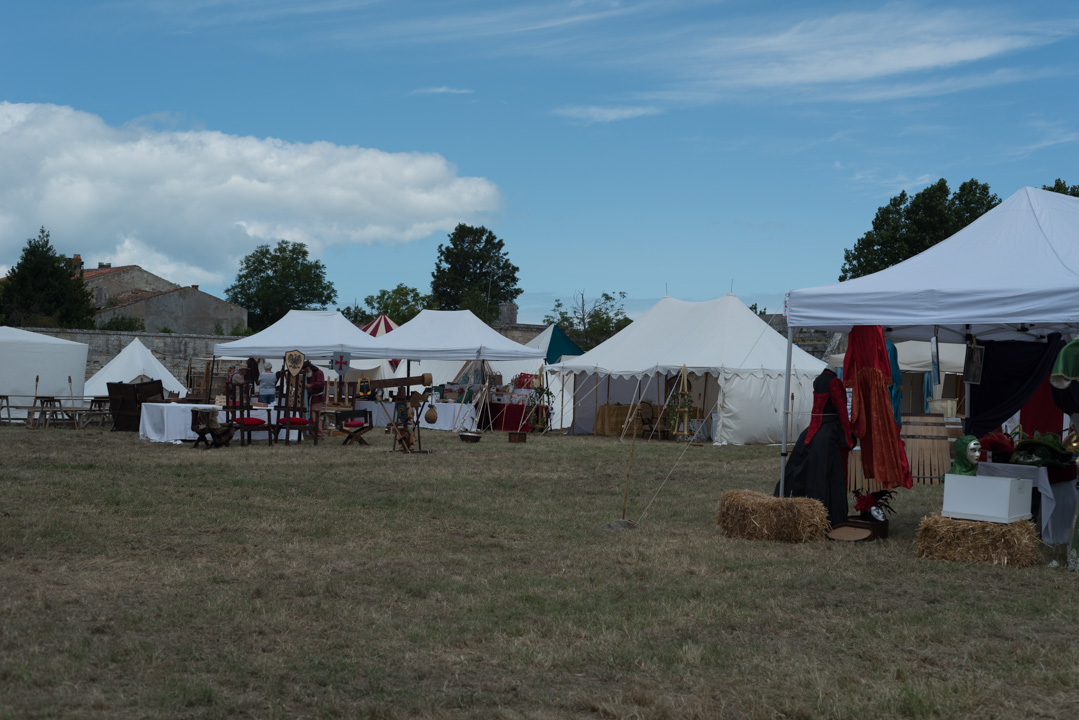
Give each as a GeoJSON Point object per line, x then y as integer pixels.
{"type": "Point", "coordinates": [928, 450]}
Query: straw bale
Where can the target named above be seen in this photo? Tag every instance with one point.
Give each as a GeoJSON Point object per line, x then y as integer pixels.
{"type": "Point", "coordinates": [1015, 544]}
{"type": "Point", "coordinates": [752, 515]}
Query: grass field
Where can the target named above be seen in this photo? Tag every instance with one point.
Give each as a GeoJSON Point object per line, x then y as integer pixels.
{"type": "Point", "coordinates": [146, 580]}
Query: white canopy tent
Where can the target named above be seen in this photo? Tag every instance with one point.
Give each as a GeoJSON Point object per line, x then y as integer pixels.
{"type": "Point", "coordinates": [40, 364]}
{"type": "Point", "coordinates": [447, 335]}
{"type": "Point", "coordinates": [133, 364]}
{"type": "Point", "coordinates": [735, 358]}
{"type": "Point", "coordinates": [915, 356]}
{"type": "Point", "coordinates": [318, 334]}
{"type": "Point", "coordinates": [561, 386]}
{"type": "Point", "coordinates": [1012, 274]}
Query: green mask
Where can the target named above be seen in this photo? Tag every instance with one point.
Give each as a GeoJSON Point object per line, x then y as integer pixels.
{"type": "Point", "coordinates": [967, 449]}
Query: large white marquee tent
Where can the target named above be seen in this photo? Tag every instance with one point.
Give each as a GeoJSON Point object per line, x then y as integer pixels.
{"type": "Point", "coordinates": [735, 359]}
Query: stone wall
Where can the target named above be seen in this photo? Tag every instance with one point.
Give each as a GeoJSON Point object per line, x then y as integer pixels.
{"type": "Point", "coordinates": [519, 332]}
{"type": "Point", "coordinates": [173, 350]}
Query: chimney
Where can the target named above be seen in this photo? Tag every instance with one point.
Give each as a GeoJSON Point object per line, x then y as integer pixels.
{"type": "Point", "coordinates": [76, 263]}
{"type": "Point", "coordinates": [194, 287]}
{"type": "Point", "coordinates": [507, 313]}
{"type": "Point", "coordinates": [102, 265]}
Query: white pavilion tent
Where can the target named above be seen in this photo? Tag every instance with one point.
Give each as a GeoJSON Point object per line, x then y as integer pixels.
{"type": "Point", "coordinates": [735, 361]}
{"type": "Point", "coordinates": [134, 363]}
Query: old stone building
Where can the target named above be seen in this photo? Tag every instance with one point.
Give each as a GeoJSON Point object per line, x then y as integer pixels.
{"type": "Point", "coordinates": [130, 291]}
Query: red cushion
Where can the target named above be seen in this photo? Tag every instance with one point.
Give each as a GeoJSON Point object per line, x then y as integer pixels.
{"type": "Point", "coordinates": [254, 421]}
{"type": "Point", "coordinates": [296, 421]}
{"type": "Point", "coordinates": [354, 423]}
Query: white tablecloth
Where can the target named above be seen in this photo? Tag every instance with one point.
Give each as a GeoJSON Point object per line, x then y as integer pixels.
{"type": "Point", "coordinates": [1058, 499]}
{"type": "Point", "coordinates": [448, 412]}
{"type": "Point", "coordinates": [169, 422]}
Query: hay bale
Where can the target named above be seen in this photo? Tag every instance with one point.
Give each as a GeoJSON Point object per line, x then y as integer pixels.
{"type": "Point", "coordinates": [755, 516]}
{"type": "Point", "coordinates": [1015, 544]}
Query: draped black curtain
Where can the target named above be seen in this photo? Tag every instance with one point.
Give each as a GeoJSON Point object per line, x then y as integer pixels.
{"type": "Point", "coordinates": [1011, 372]}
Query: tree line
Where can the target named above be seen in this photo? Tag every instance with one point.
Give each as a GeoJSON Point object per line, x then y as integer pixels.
{"type": "Point", "coordinates": [472, 272]}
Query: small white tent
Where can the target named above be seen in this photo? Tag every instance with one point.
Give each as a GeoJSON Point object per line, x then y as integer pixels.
{"type": "Point", "coordinates": [133, 364]}
{"type": "Point", "coordinates": [26, 356]}
{"type": "Point", "coordinates": [736, 362]}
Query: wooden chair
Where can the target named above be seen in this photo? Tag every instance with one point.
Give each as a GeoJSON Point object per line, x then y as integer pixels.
{"type": "Point", "coordinates": [647, 414]}
{"type": "Point", "coordinates": [238, 412]}
{"type": "Point", "coordinates": [210, 432]}
{"type": "Point", "coordinates": [355, 424]}
{"type": "Point", "coordinates": [124, 407]}
{"type": "Point", "coordinates": [291, 412]}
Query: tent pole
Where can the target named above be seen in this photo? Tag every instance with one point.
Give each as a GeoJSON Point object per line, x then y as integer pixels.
{"type": "Point", "coordinates": [786, 409]}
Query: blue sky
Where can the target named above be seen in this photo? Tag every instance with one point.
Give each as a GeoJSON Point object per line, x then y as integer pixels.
{"type": "Point", "coordinates": [681, 147]}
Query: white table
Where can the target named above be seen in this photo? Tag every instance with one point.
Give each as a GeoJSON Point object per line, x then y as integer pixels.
{"type": "Point", "coordinates": [169, 422]}
{"type": "Point", "coordinates": [1058, 499]}
{"type": "Point", "coordinates": [448, 412]}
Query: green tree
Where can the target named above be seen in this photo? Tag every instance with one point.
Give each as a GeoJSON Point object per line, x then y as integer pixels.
{"type": "Point", "coordinates": [473, 272]}
{"type": "Point", "coordinates": [401, 304]}
{"type": "Point", "coordinates": [590, 322]}
{"type": "Point", "coordinates": [1063, 188]}
{"type": "Point", "coordinates": [43, 290]}
{"type": "Point", "coordinates": [273, 281]}
{"type": "Point", "coordinates": [907, 225]}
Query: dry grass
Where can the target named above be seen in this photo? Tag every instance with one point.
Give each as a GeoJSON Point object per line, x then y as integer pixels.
{"type": "Point", "coordinates": [156, 581]}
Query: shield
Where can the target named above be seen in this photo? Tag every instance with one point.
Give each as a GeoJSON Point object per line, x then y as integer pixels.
{"type": "Point", "coordinates": [340, 363]}
{"type": "Point", "coordinates": [294, 362]}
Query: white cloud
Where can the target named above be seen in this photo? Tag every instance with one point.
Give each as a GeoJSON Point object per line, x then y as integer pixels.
{"type": "Point", "coordinates": [443, 90]}
{"type": "Point", "coordinates": [189, 205]}
{"type": "Point", "coordinates": [595, 114]}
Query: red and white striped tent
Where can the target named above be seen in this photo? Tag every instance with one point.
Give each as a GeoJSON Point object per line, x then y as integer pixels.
{"type": "Point", "coordinates": [379, 326]}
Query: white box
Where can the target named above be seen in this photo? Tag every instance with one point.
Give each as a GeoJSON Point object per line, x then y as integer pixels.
{"type": "Point", "coordinates": [981, 497]}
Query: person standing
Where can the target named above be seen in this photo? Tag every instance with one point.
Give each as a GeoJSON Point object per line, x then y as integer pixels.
{"type": "Point", "coordinates": [316, 395]}
{"type": "Point", "coordinates": [267, 384]}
